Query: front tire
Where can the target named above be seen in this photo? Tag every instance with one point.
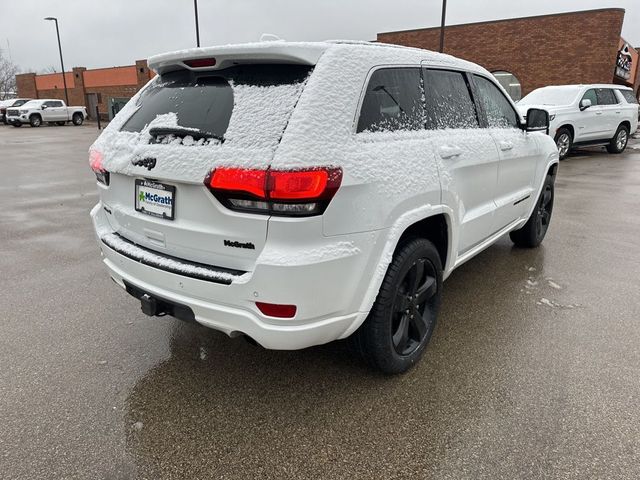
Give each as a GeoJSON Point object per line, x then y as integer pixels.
{"type": "Point", "coordinates": [77, 119]}
{"type": "Point", "coordinates": [17, 124]}
{"type": "Point", "coordinates": [534, 231]}
{"type": "Point", "coordinates": [564, 142]}
{"type": "Point", "coordinates": [619, 141]}
{"type": "Point", "coordinates": [35, 120]}
{"type": "Point", "coordinates": [395, 334]}
{"type": "Point", "coordinates": [61, 124]}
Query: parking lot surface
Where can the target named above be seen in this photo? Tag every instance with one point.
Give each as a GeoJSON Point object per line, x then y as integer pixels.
{"type": "Point", "coordinates": [532, 372]}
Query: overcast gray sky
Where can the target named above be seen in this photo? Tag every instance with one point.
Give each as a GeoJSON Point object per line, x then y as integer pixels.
{"type": "Point", "coordinates": [117, 32]}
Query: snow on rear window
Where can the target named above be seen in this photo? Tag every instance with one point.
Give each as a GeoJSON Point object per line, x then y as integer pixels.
{"type": "Point", "coordinates": [248, 106]}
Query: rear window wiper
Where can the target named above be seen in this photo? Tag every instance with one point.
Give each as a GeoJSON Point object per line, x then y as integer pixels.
{"type": "Point", "coordinates": [184, 132]}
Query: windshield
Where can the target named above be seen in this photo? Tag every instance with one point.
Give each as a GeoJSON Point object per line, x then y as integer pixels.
{"type": "Point", "coordinates": [248, 104]}
{"type": "Point", "coordinates": [551, 96]}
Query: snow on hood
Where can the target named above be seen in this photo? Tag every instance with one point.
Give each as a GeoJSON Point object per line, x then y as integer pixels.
{"type": "Point", "coordinates": [549, 108]}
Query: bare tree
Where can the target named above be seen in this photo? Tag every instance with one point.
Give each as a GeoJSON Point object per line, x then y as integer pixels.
{"type": "Point", "coordinates": [8, 71]}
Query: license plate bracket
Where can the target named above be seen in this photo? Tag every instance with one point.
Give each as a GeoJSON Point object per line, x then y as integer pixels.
{"type": "Point", "coordinates": [155, 198]}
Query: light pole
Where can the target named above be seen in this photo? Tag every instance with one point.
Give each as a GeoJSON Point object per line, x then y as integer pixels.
{"type": "Point", "coordinates": [195, 8]}
{"type": "Point", "coordinates": [64, 78]}
{"type": "Point", "coordinates": [444, 15]}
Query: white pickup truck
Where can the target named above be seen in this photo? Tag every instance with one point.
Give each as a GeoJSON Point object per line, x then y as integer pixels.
{"type": "Point", "coordinates": [52, 111]}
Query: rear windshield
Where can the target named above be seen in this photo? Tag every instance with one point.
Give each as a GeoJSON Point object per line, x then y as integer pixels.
{"type": "Point", "coordinates": [247, 104]}
{"type": "Point", "coordinates": [629, 96]}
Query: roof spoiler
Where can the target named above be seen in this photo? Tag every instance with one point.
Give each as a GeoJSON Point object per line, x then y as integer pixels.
{"type": "Point", "coordinates": [230, 55]}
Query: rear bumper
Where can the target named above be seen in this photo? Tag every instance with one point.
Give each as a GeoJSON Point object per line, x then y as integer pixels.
{"type": "Point", "coordinates": [327, 292]}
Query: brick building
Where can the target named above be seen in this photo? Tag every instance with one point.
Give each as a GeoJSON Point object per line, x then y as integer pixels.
{"type": "Point", "coordinates": [566, 48]}
{"type": "Point", "coordinates": [523, 53]}
{"type": "Point", "coordinates": [108, 88]}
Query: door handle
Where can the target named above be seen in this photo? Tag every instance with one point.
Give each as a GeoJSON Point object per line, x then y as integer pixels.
{"type": "Point", "coordinates": [504, 146]}
{"type": "Point", "coordinates": [447, 151]}
{"type": "Point", "coordinates": [598, 113]}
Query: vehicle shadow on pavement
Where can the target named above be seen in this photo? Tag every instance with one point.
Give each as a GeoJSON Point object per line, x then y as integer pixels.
{"type": "Point", "coordinates": [236, 406]}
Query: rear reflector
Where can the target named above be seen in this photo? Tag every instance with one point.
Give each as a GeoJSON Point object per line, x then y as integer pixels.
{"type": "Point", "coordinates": [276, 192]}
{"type": "Point", "coordinates": [201, 62]}
{"type": "Point", "coordinates": [276, 310]}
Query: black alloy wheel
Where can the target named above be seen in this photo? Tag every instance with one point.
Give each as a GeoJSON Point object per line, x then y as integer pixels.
{"type": "Point", "coordinates": [413, 317]}
{"type": "Point", "coordinates": [534, 231]}
{"type": "Point", "coordinates": [544, 209]}
{"type": "Point", "coordinates": [400, 324]}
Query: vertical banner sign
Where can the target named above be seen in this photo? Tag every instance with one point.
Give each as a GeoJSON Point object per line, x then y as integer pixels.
{"type": "Point", "coordinates": [626, 63]}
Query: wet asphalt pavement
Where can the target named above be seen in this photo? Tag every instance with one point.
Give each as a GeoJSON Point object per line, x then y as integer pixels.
{"type": "Point", "coordinates": [533, 370]}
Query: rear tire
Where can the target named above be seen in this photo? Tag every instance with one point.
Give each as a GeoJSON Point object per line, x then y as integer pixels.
{"type": "Point", "coordinates": [77, 119]}
{"type": "Point", "coordinates": [534, 231]}
{"type": "Point", "coordinates": [35, 120]}
{"type": "Point", "coordinates": [619, 141]}
{"type": "Point", "coordinates": [564, 142]}
{"type": "Point", "coordinates": [395, 334]}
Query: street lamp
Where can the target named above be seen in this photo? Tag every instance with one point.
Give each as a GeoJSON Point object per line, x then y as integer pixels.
{"type": "Point", "coordinates": [64, 78]}
{"type": "Point", "coordinates": [444, 14]}
{"type": "Point", "coordinates": [195, 8]}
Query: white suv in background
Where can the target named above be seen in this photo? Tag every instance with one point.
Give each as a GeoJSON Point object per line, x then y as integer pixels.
{"type": "Point", "coordinates": [587, 115]}
{"type": "Point", "coordinates": [299, 193]}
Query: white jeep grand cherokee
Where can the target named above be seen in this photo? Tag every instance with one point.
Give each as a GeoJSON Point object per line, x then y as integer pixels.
{"type": "Point", "coordinates": [299, 193]}
{"type": "Point", "coordinates": [587, 115]}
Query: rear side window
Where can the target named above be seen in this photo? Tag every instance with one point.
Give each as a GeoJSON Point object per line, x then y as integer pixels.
{"type": "Point", "coordinates": [628, 96]}
{"type": "Point", "coordinates": [448, 100]}
{"type": "Point", "coordinates": [248, 105]}
{"type": "Point", "coordinates": [499, 112]}
{"type": "Point", "coordinates": [606, 96]}
{"type": "Point", "coordinates": [393, 101]}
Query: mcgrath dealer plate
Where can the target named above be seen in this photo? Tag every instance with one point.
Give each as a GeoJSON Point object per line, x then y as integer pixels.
{"type": "Point", "coordinates": [155, 199]}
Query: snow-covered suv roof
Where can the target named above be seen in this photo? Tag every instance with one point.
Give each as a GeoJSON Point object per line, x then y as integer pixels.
{"type": "Point", "coordinates": [304, 53]}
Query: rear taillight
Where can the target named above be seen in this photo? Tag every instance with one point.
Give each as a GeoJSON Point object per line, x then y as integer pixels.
{"type": "Point", "coordinates": [95, 161]}
{"type": "Point", "coordinates": [277, 310]}
{"type": "Point", "coordinates": [275, 192]}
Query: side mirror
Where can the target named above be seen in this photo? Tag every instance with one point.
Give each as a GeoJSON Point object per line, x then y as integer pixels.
{"type": "Point", "coordinates": [537, 120]}
{"type": "Point", "coordinates": [43, 107]}
{"type": "Point", "coordinates": [584, 104]}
